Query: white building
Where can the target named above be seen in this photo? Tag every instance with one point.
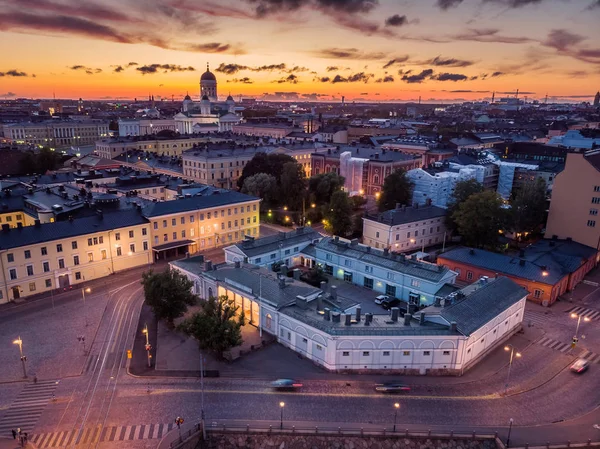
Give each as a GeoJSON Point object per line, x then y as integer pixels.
{"type": "Point", "coordinates": [342, 335]}
{"type": "Point", "coordinates": [574, 139]}
{"type": "Point", "coordinates": [405, 228]}
{"type": "Point", "coordinates": [57, 133]}
{"type": "Point", "coordinates": [145, 127]}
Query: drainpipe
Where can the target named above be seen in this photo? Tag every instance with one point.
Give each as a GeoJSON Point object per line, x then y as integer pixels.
{"type": "Point", "coordinates": [112, 263]}
{"type": "Point", "coordinates": [5, 291]}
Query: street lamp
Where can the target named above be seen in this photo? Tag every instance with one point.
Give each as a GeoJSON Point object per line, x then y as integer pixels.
{"type": "Point", "coordinates": [510, 348]}
{"type": "Point", "coordinates": [281, 405]}
{"type": "Point", "coordinates": [148, 347]}
{"type": "Point", "coordinates": [574, 315]}
{"type": "Point", "coordinates": [83, 292]}
{"type": "Point", "coordinates": [510, 423]}
{"type": "Point", "coordinates": [396, 407]}
{"type": "Point", "coordinates": [19, 342]}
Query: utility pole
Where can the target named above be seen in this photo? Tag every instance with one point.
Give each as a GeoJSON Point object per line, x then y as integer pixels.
{"type": "Point", "coordinates": [19, 342]}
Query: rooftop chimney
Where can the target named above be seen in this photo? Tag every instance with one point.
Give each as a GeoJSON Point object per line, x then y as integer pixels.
{"type": "Point", "coordinates": [453, 326]}
{"type": "Point", "coordinates": [327, 314]}
{"type": "Point", "coordinates": [358, 310]}
{"type": "Point", "coordinates": [348, 320]}
{"type": "Point", "coordinates": [334, 292]}
{"type": "Point", "coordinates": [407, 319]}
{"type": "Point", "coordinates": [237, 263]}
{"type": "Point", "coordinates": [335, 317]}
{"type": "Point", "coordinates": [296, 273]}
{"type": "Point", "coordinates": [319, 303]}
{"type": "Point", "coordinates": [421, 319]}
{"type": "Point", "coordinates": [368, 319]}
{"type": "Point", "coordinates": [207, 265]}
{"type": "Point", "coordinates": [281, 280]}
{"type": "Point", "coordinates": [395, 313]}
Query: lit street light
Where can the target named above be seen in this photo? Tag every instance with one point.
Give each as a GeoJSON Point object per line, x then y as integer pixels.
{"type": "Point", "coordinates": [510, 423]}
{"type": "Point", "coordinates": [396, 407]}
{"type": "Point", "coordinates": [575, 338]}
{"type": "Point", "coordinates": [148, 347]}
{"type": "Point", "coordinates": [281, 405]}
{"type": "Point", "coordinates": [19, 342]}
{"type": "Point", "coordinates": [83, 292]}
{"type": "Point", "coordinates": [510, 348]}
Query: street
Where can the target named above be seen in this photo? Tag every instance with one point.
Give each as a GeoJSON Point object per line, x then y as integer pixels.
{"type": "Point", "coordinates": [85, 395]}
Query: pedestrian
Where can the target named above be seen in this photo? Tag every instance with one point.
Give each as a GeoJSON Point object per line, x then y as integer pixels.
{"type": "Point", "coordinates": [19, 431]}
{"type": "Point", "coordinates": [25, 437]}
{"type": "Point", "coordinates": [14, 432]}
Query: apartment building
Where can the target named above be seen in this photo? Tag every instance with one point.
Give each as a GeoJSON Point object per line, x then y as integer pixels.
{"type": "Point", "coordinates": [143, 127]}
{"type": "Point", "coordinates": [190, 225]}
{"type": "Point", "coordinates": [57, 133]}
{"type": "Point", "coordinates": [43, 257]}
{"type": "Point", "coordinates": [114, 147]}
{"type": "Point", "coordinates": [405, 228]}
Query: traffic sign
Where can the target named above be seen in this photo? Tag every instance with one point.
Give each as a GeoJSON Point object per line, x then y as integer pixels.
{"type": "Point", "coordinates": [129, 355]}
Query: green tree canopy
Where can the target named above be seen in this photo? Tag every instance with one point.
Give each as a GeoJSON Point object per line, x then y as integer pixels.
{"type": "Point", "coordinates": [322, 186]}
{"type": "Point", "coordinates": [293, 185]}
{"type": "Point", "coordinates": [263, 186]}
{"type": "Point", "coordinates": [265, 163]}
{"type": "Point", "coordinates": [397, 188]}
{"type": "Point", "coordinates": [339, 215]}
{"type": "Point", "coordinates": [216, 326]}
{"type": "Point", "coordinates": [40, 162]}
{"type": "Point", "coordinates": [479, 218]}
{"type": "Point", "coordinates": [168, 293]}
{"type": "Point", "coordinates": [462, 191]}
{"type": "Point", "coordinates": [528, 208]}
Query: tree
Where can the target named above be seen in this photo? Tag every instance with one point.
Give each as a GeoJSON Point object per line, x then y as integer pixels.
{"type": "Point", "coordinates": [261, 185]}
{"type": "Point", "coordinates": [479, 218]}
{"type": "Point", "coordinates": [265, 163]}
{"type": "Point", "coordinates": [293, 185]}
{"type": "Point", "coordinates": [339, 216]}
{"type": "Point", "coordinates": [168, 293]}
{"type": "Point", "coordinates": [40, 162]}
{"type": "Point", "coordinates": [397, 188]}
{"type": "Point", "coordinates": [216, 326]}
{"type": "Point", "coordinates": [322, 186]}
{"type": "Point", "coordinates": [462, 191]}
{"type": "Point", "coordinates": [528, 209]}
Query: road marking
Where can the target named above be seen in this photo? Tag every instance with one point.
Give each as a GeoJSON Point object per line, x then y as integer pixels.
{"type": "Point", "coordinates": [565, 347]}
{"type": "Point", "coordinates": [585, 312]}
{"type": "Point", "coordinates": [27, 408]}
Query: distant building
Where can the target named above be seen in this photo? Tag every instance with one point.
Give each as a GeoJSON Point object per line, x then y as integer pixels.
{"type": "Point", "coordinates": [597, 99]}
{"type": "Point", "coordinates": [405, 228]}
{"type": "Point", "coordinates": [576, 139]}
{"type": "Point", "coordinates": [164, 146]}
{"type": "Point", "coordinates": [145, 127]}
{"type": "Point", "coordinates": [57, 133]}
{"type": "Point", "coordinates": [273, 130]}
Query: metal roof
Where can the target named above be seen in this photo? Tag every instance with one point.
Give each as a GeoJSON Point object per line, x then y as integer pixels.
{"type": "Point", "coordinates": [196, 203]}
{"type": "Point", "coordinates": [404, 215]}
{"type": "Point", "coordinates": [263, 245]}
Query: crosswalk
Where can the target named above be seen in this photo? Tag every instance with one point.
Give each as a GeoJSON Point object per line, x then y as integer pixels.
{"type": "Point", "coordinates": [564, 347]}
{"type": "Point", "coordinates": [592, 314]}
{"type": "Point", "coordinates": [538, 319]}
{"type": "Point", "coordinates": [27, 408]}
{"type": "Point", "coordinates": [95, 435]}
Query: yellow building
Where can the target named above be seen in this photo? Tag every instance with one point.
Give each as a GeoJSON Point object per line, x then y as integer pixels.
{"type": "Point", "coordinates": [42, 257]}
{"type": "Point", "coordinates": [201, 222]}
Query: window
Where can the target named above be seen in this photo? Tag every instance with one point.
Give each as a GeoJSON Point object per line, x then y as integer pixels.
{"type": "Point", "coordinates": [156, 225]}
{"type": "Point", "coordinates": [390, 290]}
{"type": "Point", "coordinates": [119, 251]}
{"type": "Point", "coordinates": [13, 273]}
{"type": "Point", "coordinates": [368, 269]}
{"type": "Point", "coordinates": [229, 225]}
{"type": "Point", "coordinates": [29, 270]}
{"type": "Point", "coordinates": [61, 263]}
{"type": "Point", "coordinates": [469, 275]}
{"type": "Point", "coordinates": [27, 254]}
{"type": "Point", "coordinates": [164, 223]}
{"type": "Point", "coordinates": [48, 283]}
{"type": "Point", "coordinates": [377, 235]}
{"type": "Point", "coordinates": [348, 262]}
{"type": "Point", "coordinates": [73, 245]}
{"type": "Point", "coordinates": [32, 286]}
{"type": "Point", "coordinates": [593, 211]}
{"type": "Point", "coordinates": [44, 251]}
{"type": "Point", "coordinates": [591, 223]}
{"type": "Point", "coordinates": [319, 348]}
{"type": "Point", "coordinates": [345, 353]}
{"type": "Point", "coordinates": [145, 246]}
{"type": "Point", "coordinates": [182, 220]}
{"type": "Point", "coordinates": [10, 257]}
{"type": "Point", "coordinates": [287, 252]}
{"type": "Point", "coordinates": [144, 231]}
{"type": "Point", "coordinates": [289, 335]}
{"type": "Point", "coordinates": [192, 218]}
{"type": "Point", "coordinates": [368, 283]}
{"type": "Point", "coordinates": [46, 267]}
{"type": "Point", "coordinates": [75, 260]}
{"type": "Point", "coordinates": [273, 256]}
{"type": "Point", "coordinates": [78, 275]}
{"type": "Point", "coordinates": [173, 221]}
{"type": "Point", "coordinates": [390, 275]}
{"type": "Point", "coordinates": [366, 353]}
{"type": "Point", "coordinates": [165, 238]}
{"type": "Point", "coordinates": [446, 353]}
{"type": "Point", "coordinates": [90, 257]}
{"type": "Point", "coordinates": [538, 293]}
{"type": "Point", "coordinates": [103, 254]}
{"type": "Point", "coordinates": [192, 232]}
{"type": "Point", "coordinates": [596, 200]}
{"type": "Point", "coordinates": [405, 353]}
{"type": "Point", "coordinates": [59, 248]}
{"type": "Point", "coordinates": [386, 353]}
{"type": "Point", "coordinates": [175, 236]}
{"type": "Point", "coordinates": [130, 234]}
{"type": "Point", "coordinates": [90, 242]}
{"type": "Point", "coordinates": [596, 189]}
{"type": "Point", "coordinates": [415, 283]}
{"type": "Point", "coordinates": [257, 260]}
{"type": "Point", "coordinates": [408, 235]}
{"type": "Point", "coordinates": [426, 353]}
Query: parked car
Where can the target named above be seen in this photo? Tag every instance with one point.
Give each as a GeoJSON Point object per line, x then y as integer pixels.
{"type": "Point", "coordinates": [379, 299]}
{"type": "Point", "coordinates": [580, 366]}
{"type": "Point", "coordinates": [392, 387]}
{"type": "Point", "coordinates": [387, 304]}
{"type": "Point", "coordinates": [286, 384]}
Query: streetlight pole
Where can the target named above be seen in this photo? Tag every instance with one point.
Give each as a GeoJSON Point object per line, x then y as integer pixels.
{"type": "Point", "coordinates": [396, 407]}
{"type": "Point", "coordinates": [83, 290]}
{"type": "Point", "coordinates": [510, 423]}
{"type": "Point", "coordinates": [281, 405]}
{"type": "Point", "coordinates": [148, 347]}
{"type": "Point", "coordinates": [19, 342]}
{"type": "Point", "coordinates": [510, 348]}
{"type": "Point", "coordinates": [575, 315]}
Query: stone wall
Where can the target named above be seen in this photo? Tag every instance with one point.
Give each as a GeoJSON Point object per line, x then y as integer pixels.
{"type": "Point", "coordinates": [264, 441]}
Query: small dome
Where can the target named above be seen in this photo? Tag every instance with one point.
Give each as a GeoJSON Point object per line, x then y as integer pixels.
{"type": "Point", "coordinates": [208, 76]}
{"type": "Point", "coordinates": [229, 98]}
{"type": "Point", "coordinates": [205, 97]}
{"type": "Point", "coordinates": [187, 97]}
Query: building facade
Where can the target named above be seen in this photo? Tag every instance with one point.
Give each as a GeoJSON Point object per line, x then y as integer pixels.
{"type": "Point", "coordinates": [112, 148]}
{"type": "Point", "coordinates": [56, 133]}
{"type": "Point", "coordinates": [145, 127]}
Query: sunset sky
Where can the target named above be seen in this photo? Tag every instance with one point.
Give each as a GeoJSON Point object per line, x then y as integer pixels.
{"type": "Point", "coordinates": [382, 50]}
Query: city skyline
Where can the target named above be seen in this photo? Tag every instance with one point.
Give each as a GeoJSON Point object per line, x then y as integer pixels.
{"type": "Point", "coordinates": [438, 50]}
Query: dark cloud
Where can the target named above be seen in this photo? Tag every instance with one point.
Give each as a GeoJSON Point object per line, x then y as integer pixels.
{"type": "Point", "coordinates": [514, 3]}
{"type": "Point", "coordinates": [291, 78]}
{"type": "Point", "coordinates": [449, 62]}
{"type": "Point", "coordinates": [298, 68]}
{"type": "Point", "coordinates": [562, 40]}
{"type": "Point", "coordinates": [450, 77]}
{"type": "Point", "coordinates": [418, 78]}
{"type": "Point", "coordinates": [595, 4]}
{"type": "Point", "coordinates": [83, 9]}
{"type": "Point", "coordinates": [244, 80]}
{"type": "Point", "coordinates": [354, 78]}
{"type": "Point", "coordinates": [8, 95]}
{"type": "Point", "coordinates": [324, 79]}
{"type": "Point", "coordinates": [399, 60]}
{"type": "Point", "coordinates": [496, 74]}
{"type": "Point", "coordinates": [268, 68]}
{"type": "Point", "coordinates": [210, 47]}
{"type": "Point", "coordinates": [461, 91]}
{"type": "Point", "coordinates": [349, 53]}
{"type": "Point", "coordinates": [87, 70]}
{"type": "Point", "coordinates": [155, 68]}
{"type": "Point", "coordinates": [267, 7]}
{"type": "Point", "coordinates": [447, 4]}
{"type": "Point", "coordinates": [230, 69]}
{"type": "Point", "coordinates": [404, 72]}
{"type": "Point", "coordinates": [332, 68]}
{"type": "Point", "coordinates": [78, 67]}
{"type": "Point", "coordinates": [396, 20]}
{"type": "Point", "coordinates": [132, 63]}
{"type": "Point", "coordinates": [15, 73]}
{"type": "Point", "coordinates": [118, 69]}
{"type": "Point", "coordinates": [385, 79]}
{"type": "Point", "coordinates": [490, 35]}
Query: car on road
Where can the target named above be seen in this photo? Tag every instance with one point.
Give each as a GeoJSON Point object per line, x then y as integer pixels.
{"type": "Point", "coordinates": [580, 366]}
{"type": "Point", "coordinates": [387, 304]}
{"type": "Point", "coordinates": [392, 387]}
{"type": "Point", "coordinates": [286, 384]}
{"type": "Point", "coordinates": [379, 299]}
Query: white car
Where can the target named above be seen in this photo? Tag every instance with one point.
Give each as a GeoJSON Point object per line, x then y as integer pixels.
{"type": "Point", "coordinates": [381, 298]}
